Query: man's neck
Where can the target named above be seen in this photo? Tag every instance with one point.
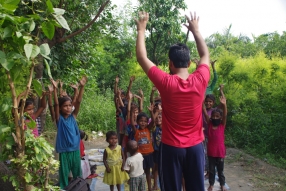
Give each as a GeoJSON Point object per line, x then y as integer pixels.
{"type": "Point", "coordinates": [183, 73]}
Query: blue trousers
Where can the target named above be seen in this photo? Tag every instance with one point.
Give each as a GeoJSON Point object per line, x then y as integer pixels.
{"type": "Point", "coordinates": [174, 163]}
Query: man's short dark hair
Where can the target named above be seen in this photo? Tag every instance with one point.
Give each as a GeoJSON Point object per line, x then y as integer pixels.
{"type": "Point", "coordinates": [179, 54]}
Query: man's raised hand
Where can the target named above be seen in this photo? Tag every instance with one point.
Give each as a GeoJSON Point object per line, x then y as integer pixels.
{"type": "Point", "coordinates": [193, 22]}
{"type": "Point", "coordinates": [142, 21]}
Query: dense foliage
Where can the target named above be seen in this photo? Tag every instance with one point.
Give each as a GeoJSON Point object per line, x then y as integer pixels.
{"type": "Point", "coordinates": [252, 69]}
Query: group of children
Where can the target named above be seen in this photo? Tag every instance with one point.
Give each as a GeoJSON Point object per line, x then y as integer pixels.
{"type": "Point", "coordinates": [63, 111]}
{"type": "Point", "coordinates": [140, 138]}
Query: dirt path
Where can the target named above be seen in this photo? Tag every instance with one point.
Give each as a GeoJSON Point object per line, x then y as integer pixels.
{"type": "Point", "coordinates": [243, 172]}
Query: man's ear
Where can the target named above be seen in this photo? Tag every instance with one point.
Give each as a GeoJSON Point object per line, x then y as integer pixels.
{"type": "Point", "coordinates": [189, 63]}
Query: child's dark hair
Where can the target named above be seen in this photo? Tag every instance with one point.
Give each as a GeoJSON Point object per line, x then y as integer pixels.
{"type": "Point", "coordinates": [83, 135]}
{"type": "Point", "coordinates": [179, 54]}
{"type": "Point", "coordinates": [217, 110]}
{"type": "Point", "coordinates": [140, 115]}
{"type": "Point", "coordinates": [62, 100]}
{"type": "Point", "coordinates": [211, 97]}
{"type": "Point", "coordinates": [109, 134]}
{"type": "Point", "coordinates": [132, 147]}
{"type": "Point", "coordinates": [29, 101]}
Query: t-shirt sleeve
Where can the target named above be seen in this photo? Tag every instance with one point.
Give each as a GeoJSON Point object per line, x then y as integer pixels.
{"type": "Point", "coordinates": [127, 164]}
{"type": "Point", "coordinates": [203, 72]}
{"type": "Point", "coordinates": [157, 76]}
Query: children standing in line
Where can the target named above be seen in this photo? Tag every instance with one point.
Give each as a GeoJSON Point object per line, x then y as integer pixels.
{"type": "Point", "coordinates": [134, 166]}
{"type": "Point", "coordinates": [143, 138]}
{"type": "Point", "coordinates": [216, 147]}
{"type": "Point", "coordinates": [68, 136]}
{"type": "Point", "coordinates": [114, 161]}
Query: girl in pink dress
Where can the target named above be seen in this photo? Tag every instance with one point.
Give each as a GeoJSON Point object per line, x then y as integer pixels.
{"type": "Point", "coordinates": [216, 148]}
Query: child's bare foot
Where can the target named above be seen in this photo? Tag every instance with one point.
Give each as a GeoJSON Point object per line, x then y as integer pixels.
{"type": "Point", "coordinates": [155, 188]}
{"type": "Point", "coordinates": [223, 188]}
{"type": "Point", "coordinates": [210, 188]}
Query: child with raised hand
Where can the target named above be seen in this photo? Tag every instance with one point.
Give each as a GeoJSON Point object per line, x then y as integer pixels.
{"type": "Point", "coordinates": [142, 135]}
{"type": "Point", "coordinates": [68, 136]}
{"type": "Point", "coordinates": [29, 108]}
{"type": "Point", "coordinates": [134, 166]}
{"type": "Point", "coordinates": [114, 161]}
{"type": "Point", "coordinates": [216, 148]}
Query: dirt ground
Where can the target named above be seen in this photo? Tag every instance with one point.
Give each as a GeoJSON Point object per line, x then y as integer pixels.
{"type": "Point", "coordinates": [242, 171]}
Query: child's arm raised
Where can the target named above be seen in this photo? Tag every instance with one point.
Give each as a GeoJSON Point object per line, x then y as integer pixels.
{"type": "Point", "coordinates": [105, 162]}
{"type": "Point", "coordinates": [119, 98]}
{"type": "Point", "coordinates": [153, 116]}
{"type": "Point", "coordinates": [80, 95]}
{"type": "Point", "coordinates": [132, 120]}
{"type": "Point", "coordinates": [42, 105]}
{"type": "Point", "coordinates": [50, 101]}
{"type": "Point", "coordinates": [224, 115]}
{"type": "Point", "coordinates": [152, 94]}
{"type": "Point", "coordinates": [75, 88]}
{"type": "Point", "coordinates": [141, 100]}
{"type": "Point", "coordinates": [128, 117]}
{"type": "Point", "coordinates": [132, 78]}
{"type": "Point", "coordinates": [116, 85]}
{"type": "Point", "coordinates": [56, 101]}
{"type": "Point", "coordinates": [212, 85]}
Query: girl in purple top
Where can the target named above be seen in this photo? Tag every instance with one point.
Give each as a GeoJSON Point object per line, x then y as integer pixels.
{"type": "Point", "coordinates": [216, 148]}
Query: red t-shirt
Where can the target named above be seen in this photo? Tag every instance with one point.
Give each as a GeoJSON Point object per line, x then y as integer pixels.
{"type": "Point", "coordinates": [216, 147]}
{"type": "Point", "coordinates": [181, 105]}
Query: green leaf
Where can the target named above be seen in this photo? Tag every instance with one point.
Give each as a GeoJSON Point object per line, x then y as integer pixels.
{"type": "Point", "coordinates": [38, 87]}
{"type": "Point", "coordinates": [4, 107]}
{"type": "Point", "coordinates": [8, 64]}
{"type": "Point", "coordinates": [48, 29]}
{"type": "Point", "coordinates": [2, 57]}
{"type": "Point", "coordinates": [45, 49]}
{"type": "Point", "coordinates": [28, 177]}
{"type": "Point", "coordinates": [46, 57]}
{"type": "Point", "coordinates": [32, 26]}
{"type": "Point", "coordinates": [39, 158]}
{"type": "Point", "coordinates": [37, 150]}
{"type": "Point", "coordinates": [28, 50]}
{"type": "Point", "coordinates": [18, 34]}
{"type": "Point", "coordinates": [7, 32]}
{"type": "Point", "coordinates": [4, 129]}
{"type": "Point", "coordinates": [30, 123]}
{"type": "Point", "coordinates": [50, 6]}
{"type": "Point", "coordinates": [62, 21]}
{"type": "Point", "coordinates": [48, 69]}
{"type": "Point", "coordinates": [35, 51]}
{"type": "Point", "coordinates": [58, 11]}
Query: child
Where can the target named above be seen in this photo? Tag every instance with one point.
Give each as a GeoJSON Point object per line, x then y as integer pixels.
{"type": "Point", "coordinates": [134, 166]}
{"type": "Point", "coordinates": [68, 136]}
{"type": "Point", "coordinates": [85, 137]}
{"type": "Point", "coordinates": [157, 134]}
{"type": "Point", "coordinates": [143, 137]}
{"type": "Point", "coordinates": [209, 103]}
{"type": "Point", "coordinates": [114, 161]}
{"type": "Point", "coordinates": [29, 108]}
{"type": "Point", "coordinates": [215, 146]}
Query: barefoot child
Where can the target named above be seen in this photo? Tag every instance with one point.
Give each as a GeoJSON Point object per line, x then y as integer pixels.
{"type": "Point", "coordinates": [114, 160]}
{"type": "Point", "coordinates": [216, 147]}
{"type": "Point", "coordinates": [68, 136]}
{"type": "Point", "coordinates": [134, 166]}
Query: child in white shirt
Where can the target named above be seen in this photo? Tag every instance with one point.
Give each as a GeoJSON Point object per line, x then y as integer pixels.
{"type": "Point", "coordinates": [134, 166]}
